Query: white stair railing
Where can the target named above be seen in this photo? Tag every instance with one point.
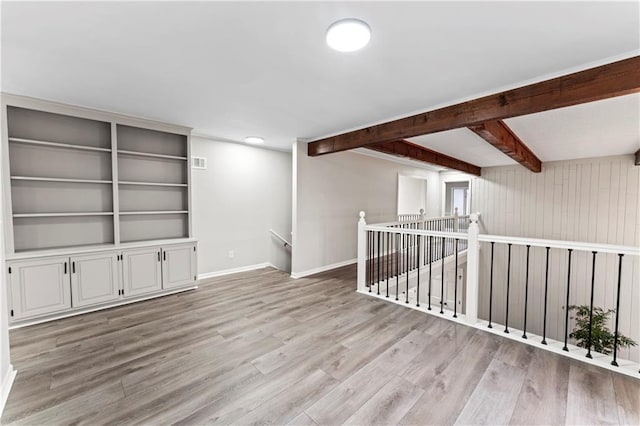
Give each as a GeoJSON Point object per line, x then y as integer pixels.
{"type": "Point", "coordinates": [491, 273]}
{"type": "Point", "coordinates": [284, 242]}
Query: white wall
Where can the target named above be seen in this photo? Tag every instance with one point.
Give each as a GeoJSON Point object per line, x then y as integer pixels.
{"type": "Point", "coordinates": [330, 192]}
{"type": "Point", "coordinates": [591, 200]}
{"type": "Point", "coordinates": [412, 193]}
{"type": "Point", "coordinates": [245, 192]}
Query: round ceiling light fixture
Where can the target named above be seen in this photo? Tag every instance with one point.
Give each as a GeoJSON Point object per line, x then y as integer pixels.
{"type": "Point", "coordinates": [254, 139]}
{"type": "Point", "coordinates": [348, 35]}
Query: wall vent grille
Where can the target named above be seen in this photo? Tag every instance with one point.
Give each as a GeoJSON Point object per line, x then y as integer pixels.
{"type": "Point", "coordinates": [199, 163]}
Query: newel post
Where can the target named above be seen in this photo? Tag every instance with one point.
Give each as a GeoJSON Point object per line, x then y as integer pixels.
{"type": "Point", "coordinates": [473, 263]}
{"type": "Point", "coordinates": [362, 254]}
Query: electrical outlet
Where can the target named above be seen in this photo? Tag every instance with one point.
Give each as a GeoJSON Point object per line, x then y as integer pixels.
{"type": "Point", "coordinates": [231, 254]}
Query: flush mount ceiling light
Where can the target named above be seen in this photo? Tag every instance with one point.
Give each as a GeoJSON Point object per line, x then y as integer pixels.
{"type": "Point", "coordinates": [253, 139]}
{"type": "Point", "coordinates": [348, 35]}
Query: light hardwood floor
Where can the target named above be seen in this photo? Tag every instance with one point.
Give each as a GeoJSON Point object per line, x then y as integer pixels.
{"type": "Point", "coordinates": [260, 347]}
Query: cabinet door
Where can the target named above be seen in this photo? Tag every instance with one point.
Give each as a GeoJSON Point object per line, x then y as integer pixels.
{"type": "Point", "coordinates": [40, 287]}
{"type": "Point", "coordinates": [94, 279]}
{"type": "Point", "coordinates": [178, 265]}
{"type": "Point", "coordinates": [142, 272]}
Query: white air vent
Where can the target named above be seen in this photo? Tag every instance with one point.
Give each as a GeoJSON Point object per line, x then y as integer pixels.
{"type": "Point", "coordinates": [198, 163]}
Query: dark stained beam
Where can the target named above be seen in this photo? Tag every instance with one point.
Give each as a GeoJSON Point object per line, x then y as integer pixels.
{"type": "Point", "coordinates": [410, 150]}
{"type": "Point", "coordinates": [638, 157]}
{"type": "Point", "coordinates": [607, 81]}
{"type": "Point", "coordinates": [498, 134]}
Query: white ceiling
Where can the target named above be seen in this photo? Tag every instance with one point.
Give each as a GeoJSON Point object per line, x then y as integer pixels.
{"type": "Point", "coordinates": [233, 69]}
{"type": "Point", "coordinates": [608, 127]}
{"type": "Point", "coordinates": [464, 145]}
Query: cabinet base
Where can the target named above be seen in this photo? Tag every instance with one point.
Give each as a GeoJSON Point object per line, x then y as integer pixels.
{"type": "Point", "coordinates": [81, 311]}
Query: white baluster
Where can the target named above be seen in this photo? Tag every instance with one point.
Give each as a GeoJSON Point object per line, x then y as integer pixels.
{"type": "Point", "coordinates": [362, 253]}
{"type": "Point", "coordinates": [473, 258]}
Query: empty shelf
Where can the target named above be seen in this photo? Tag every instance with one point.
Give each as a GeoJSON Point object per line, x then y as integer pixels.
{"type": "Point", "coordinates": [149, 154]}
{"type": "Point", "coordinates": [59, 145]}
{"type": "Point", "coordinates": [50, 179]}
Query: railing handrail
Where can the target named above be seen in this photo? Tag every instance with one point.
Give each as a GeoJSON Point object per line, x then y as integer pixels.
{"type": "Point", "coordinates": [561, 244]}
{"type": "Point", "coordinates": [425, 232]}
{"type": "Point", "coordinates": [424, 220]}
{"type": "Point", "coordinates": [534, 242]}
{"type": "Point", "coordinates": [278, 236]}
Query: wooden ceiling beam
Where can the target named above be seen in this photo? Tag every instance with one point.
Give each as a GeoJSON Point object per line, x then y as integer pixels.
{"type": "Point", "coordinates": [402, 148]}
{"type": "Point", "coordinates": [606, 81]}
{"type": "Point", "coordinates": [498, 134]}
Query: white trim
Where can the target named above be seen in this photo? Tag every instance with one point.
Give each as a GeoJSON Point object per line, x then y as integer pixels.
{"type": "Point", "coordinates": [561, 244]}
{"type": "Point", "coordinates": [127, 301]}
{"type": "Point", "coordinates": [626, 367]}
{"type": "Point", "coordinates": [7, 382]}
{"type": "Point", "coordinates": [319, 269]}
{"type": "Point", "coordinates": [206, 275]}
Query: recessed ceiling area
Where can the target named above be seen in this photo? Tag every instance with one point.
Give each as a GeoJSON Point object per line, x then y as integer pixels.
{"type": "Point", "coordinates": [233, 69]}
{"type": "Point", "coordinates": [595, 129]}
{"type": "Point", "coordinates": [464, 145]}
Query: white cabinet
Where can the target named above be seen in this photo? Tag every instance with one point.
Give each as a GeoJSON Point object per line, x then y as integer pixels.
{"type": "Point", "coordinates": [95, 279]}
{"type": "Point", "coordinates": [142, 271]}
{"type": "Point", "coordinates": [39, 287]}
{"type": "Point", "coordinates": [50, 286]}
{"type": "Point", "coordinates": [178, 265]}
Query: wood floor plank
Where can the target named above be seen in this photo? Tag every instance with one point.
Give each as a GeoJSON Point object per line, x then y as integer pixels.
{"type": "Point", "coordinates": [283, 408]}
{"type": "Point", "coordinates": [450, 388]}
{"type": "Point", "coordinates": [388, 405]}
{"type": "Point", "coordinates": [543, 397]}
{"type": "Point", "coordinates": [628, 399]}
{"type": "Point", "coordinates": [73, 410]}
{"type": "Point", "coordinates": [302, 419]}
{"type": "Point", "coordinates": [341, 403]}
{"type": "Point", "coordinates": [261, 347]}
{"type": "Point", "coordinates": [495, 396]}
{"type": "Point", "coordinates": [590, 397]}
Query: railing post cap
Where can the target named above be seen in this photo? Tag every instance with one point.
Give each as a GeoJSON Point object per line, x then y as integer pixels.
{"type": "Point", "coordinates": [421, 211]}
{"type": "Point", "coordinates": [362, 215]}
{"type": "Point", "coordinates": [473, 217]}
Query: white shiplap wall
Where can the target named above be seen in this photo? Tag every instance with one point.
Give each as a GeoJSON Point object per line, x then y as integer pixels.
{"type": "Point", "coordinates": [590, 200]}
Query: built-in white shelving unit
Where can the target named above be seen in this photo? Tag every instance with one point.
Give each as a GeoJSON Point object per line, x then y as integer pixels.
{"type": "Point", "coordinates": [97, 208]}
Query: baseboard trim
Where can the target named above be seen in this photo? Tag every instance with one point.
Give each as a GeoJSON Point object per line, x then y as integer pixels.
{"type": "Point", "coordinates": [7, 383]}
{"type": "Point", "coordinates": [322, 268]}
{"type": "Point", "coordinates": [235, 270]}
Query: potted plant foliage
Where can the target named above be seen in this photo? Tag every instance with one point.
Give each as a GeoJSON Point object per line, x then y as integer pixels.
{"type": "Point", "coordinates": [602, 340]}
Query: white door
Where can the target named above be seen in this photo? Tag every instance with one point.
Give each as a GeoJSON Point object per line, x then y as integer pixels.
{"type": "Point", "coordinates": [142, 271]}
{"type": "Point", "coordinates": [94, 279]}
{"type": "Point", "coordinates": [39, 287]}
{"type": "Point", "coordinates": [178, 265]}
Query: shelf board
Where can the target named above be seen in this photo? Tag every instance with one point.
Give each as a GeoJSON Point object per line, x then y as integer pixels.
{"type": "Point", "coordinates": [123, 182]}
{"type": "Point", "coordinates": [149, 154]}
{"type": "Point", "coordinates": [155, 212]}
{"type": "Point", "coordinates": [49, 179]}
{"type": "Point", "coordinates": [63, 214]}
{"type": "Point", "coordinates": [59, 145]}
